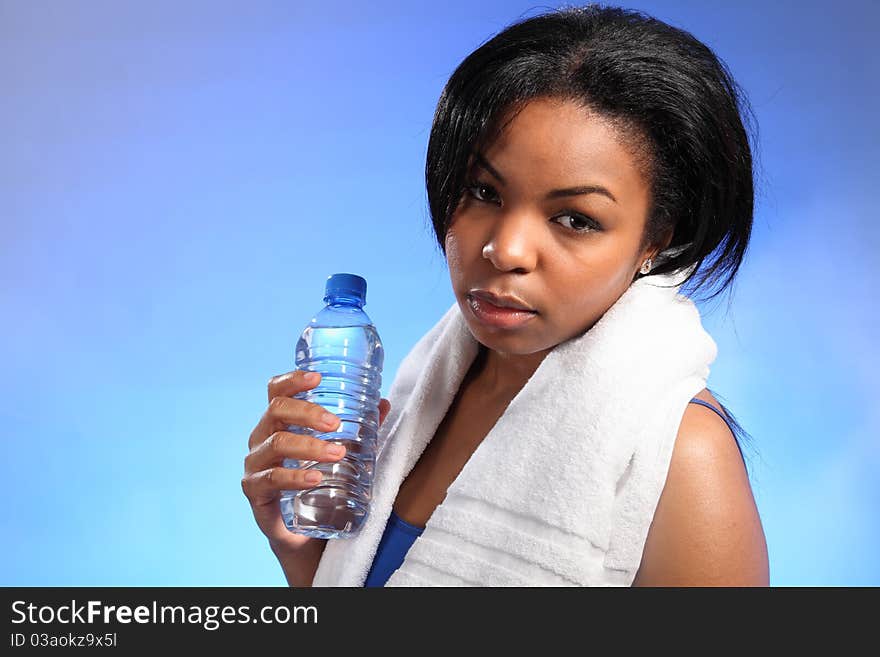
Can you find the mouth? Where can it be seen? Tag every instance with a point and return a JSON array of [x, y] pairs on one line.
[[496, 316]]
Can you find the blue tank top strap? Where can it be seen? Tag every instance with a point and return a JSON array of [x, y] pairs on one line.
[[726, 421], [708, 405]]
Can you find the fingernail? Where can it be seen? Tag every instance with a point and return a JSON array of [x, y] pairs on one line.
[[313, 477], [333, 450], [311, 377], [329, 419]]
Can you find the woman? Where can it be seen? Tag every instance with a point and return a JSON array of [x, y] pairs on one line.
[[573, 155]]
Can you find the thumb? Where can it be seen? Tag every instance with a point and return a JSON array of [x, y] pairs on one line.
[[384, 408]]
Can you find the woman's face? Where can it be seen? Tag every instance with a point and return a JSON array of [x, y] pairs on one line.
[[570, 257]]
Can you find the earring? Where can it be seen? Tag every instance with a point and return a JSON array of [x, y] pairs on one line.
[[646, 267]]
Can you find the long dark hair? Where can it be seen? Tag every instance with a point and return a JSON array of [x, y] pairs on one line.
[[659, 84]]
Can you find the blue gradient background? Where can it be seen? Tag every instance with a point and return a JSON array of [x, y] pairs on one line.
[[177, 180]]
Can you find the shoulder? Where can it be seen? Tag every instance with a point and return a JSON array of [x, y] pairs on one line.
[[706, 530]]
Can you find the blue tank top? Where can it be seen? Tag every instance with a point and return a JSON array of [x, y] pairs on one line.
[[395, 543], [399, 535]]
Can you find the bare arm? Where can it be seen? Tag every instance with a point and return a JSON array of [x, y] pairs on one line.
[[706, 529]]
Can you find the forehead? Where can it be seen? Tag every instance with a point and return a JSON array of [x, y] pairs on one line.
[[549, 142]]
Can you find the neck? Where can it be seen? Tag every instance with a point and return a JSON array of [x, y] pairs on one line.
[[499, 374]]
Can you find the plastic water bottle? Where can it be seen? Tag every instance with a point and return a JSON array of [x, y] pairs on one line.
[[342, 344]]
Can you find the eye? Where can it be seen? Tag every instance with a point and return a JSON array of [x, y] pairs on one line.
[[586, 226], [475, 189]]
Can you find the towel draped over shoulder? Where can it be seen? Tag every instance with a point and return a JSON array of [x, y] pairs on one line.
[[600, 414]]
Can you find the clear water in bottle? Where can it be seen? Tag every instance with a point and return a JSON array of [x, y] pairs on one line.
[[342, 344]]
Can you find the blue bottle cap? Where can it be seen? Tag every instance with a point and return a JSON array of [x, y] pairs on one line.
[[349, 287]]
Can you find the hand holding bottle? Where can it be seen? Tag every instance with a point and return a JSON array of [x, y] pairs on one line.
[[269, 444]]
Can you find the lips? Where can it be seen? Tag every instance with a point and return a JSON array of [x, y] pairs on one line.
[[497, 317], [509, 302]]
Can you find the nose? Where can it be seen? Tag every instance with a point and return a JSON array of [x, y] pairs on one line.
[[510, 245]]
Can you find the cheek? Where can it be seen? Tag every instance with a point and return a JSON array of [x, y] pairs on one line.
[[586, 289], [454, 255]]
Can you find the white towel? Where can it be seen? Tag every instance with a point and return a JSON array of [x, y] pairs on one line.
[[600, 414]]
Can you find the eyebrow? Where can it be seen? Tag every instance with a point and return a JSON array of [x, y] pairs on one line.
[[556, 193]]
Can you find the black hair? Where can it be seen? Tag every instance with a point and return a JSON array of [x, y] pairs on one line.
[[674, 97], [668, 91]]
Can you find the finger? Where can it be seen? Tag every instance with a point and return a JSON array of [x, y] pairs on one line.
[[290, 383], [283, 444], [287, 384], [266, 483], [302, 413], [285, 411]]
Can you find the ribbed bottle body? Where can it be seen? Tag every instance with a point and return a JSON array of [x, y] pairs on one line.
[[343, 345]]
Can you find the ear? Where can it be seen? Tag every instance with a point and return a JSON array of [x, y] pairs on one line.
[[652, 251], [662, 245], [665, 240]]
